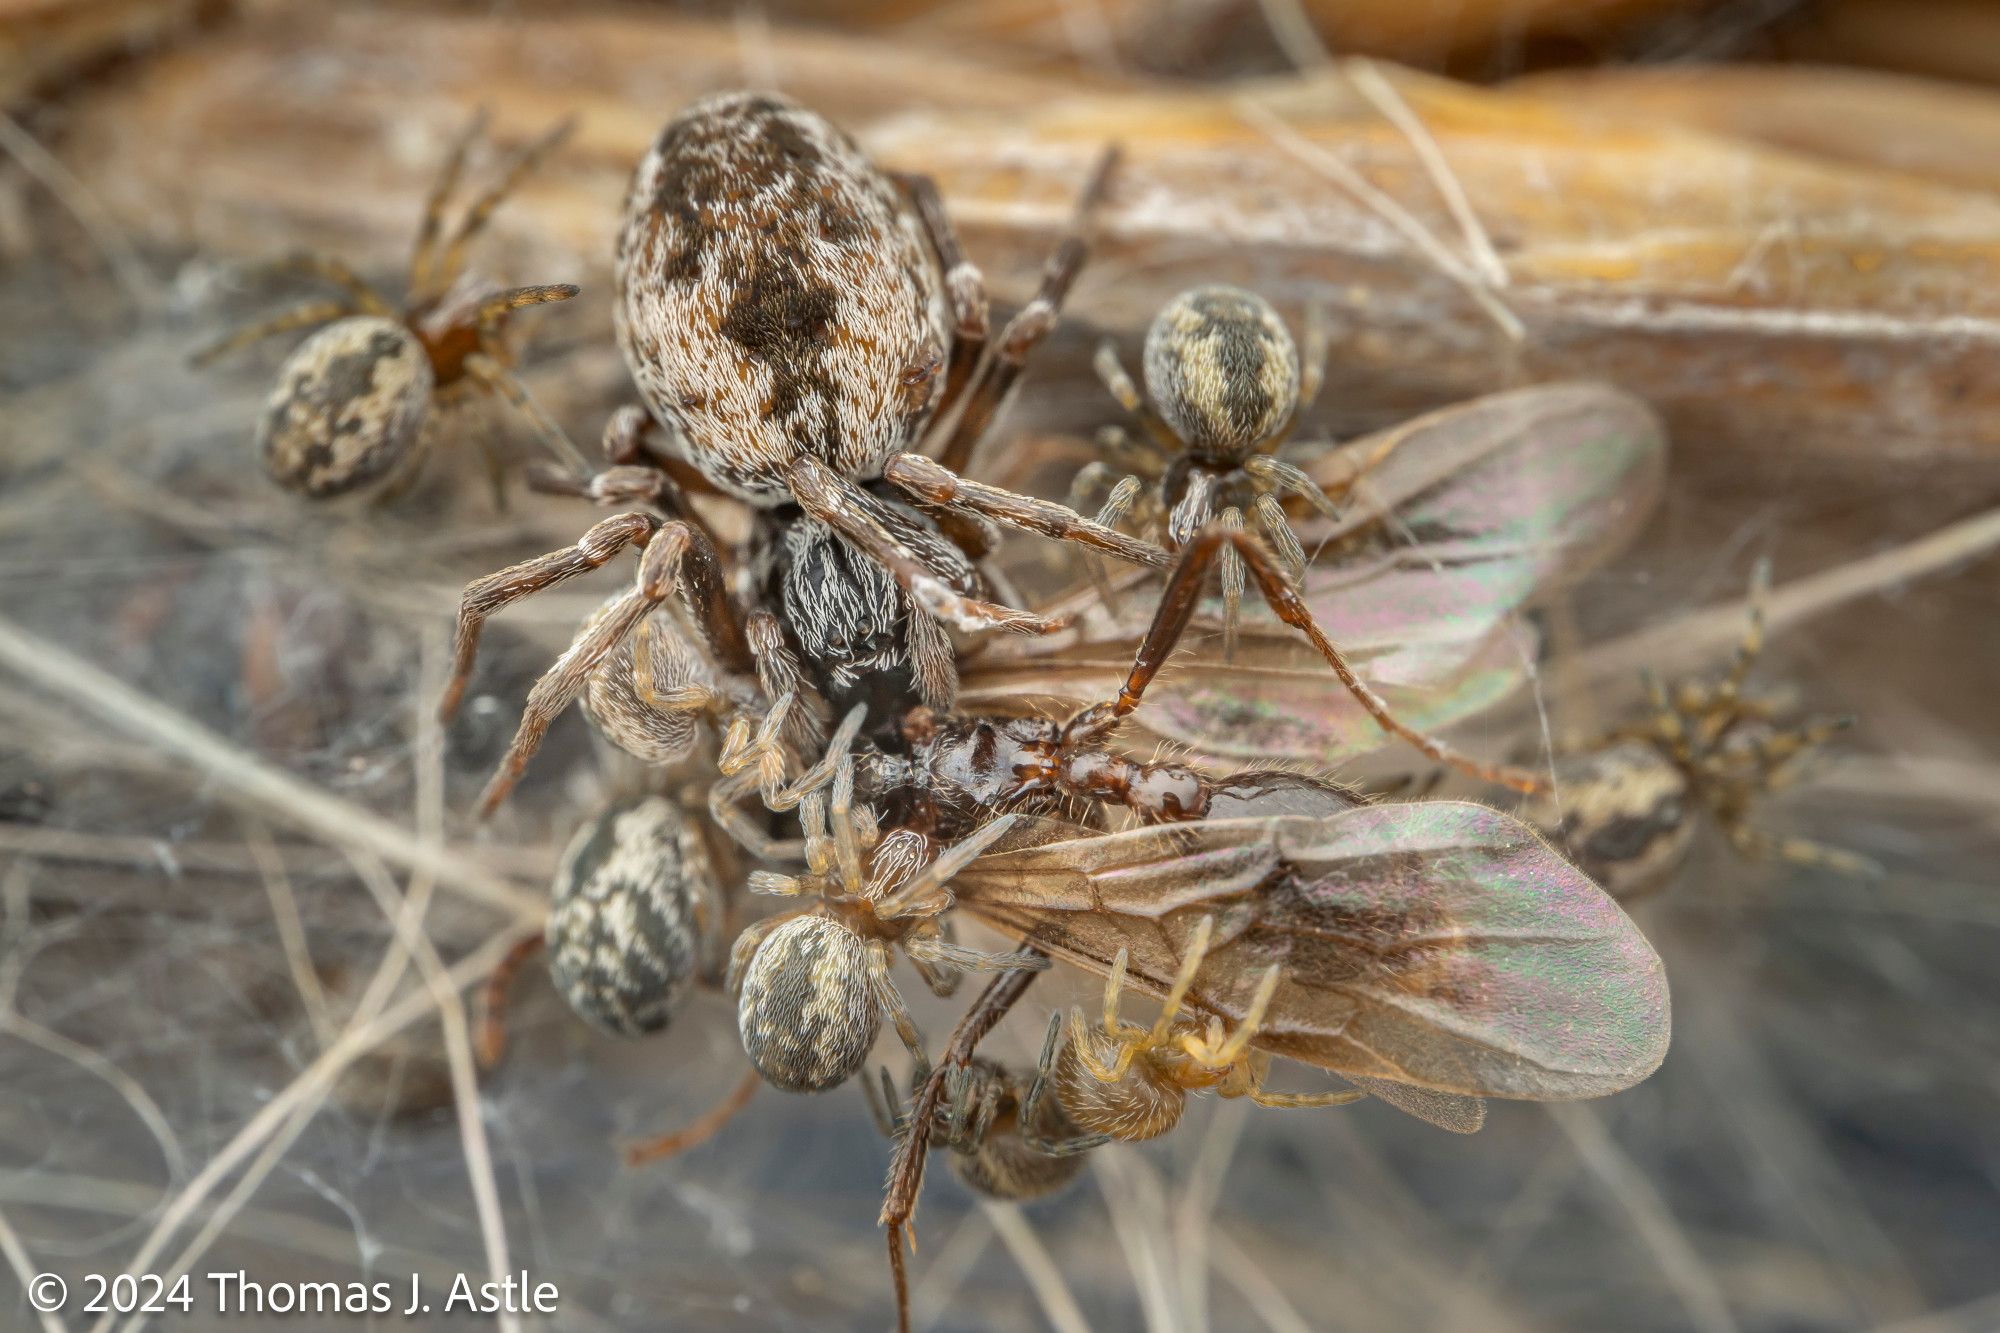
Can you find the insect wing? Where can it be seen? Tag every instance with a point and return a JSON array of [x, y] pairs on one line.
[[1465, 515], [1439, 944]]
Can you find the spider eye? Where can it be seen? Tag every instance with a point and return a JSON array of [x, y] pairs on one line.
[[921, 372]]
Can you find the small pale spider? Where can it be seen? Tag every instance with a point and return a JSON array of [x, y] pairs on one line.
[[1225, 388], [1132, 1082], [803, 321], [813, 984], [1625, 805], [1008, 1138], [350, 407], [637, 919]]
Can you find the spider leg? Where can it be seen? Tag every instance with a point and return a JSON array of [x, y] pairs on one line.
[[1756, 845], [489, 1025], [1220, 1055], [964, 286], [1091, 1059], [452, 259], [329, 269], [1277, 530], [1290, 479], [700, 1130], [845, 507], [1002, 360], [300, 317], [891, 1001], [1752, 643], [673, 550], [1291, 1100], [424, 253], [1123, 496], [1119, 382], [1176, 609], [1031, 1108], [932, 483], [1232, 585], [779, 672], [1197, 949], [1312, 362], [885, 1106], [485, 596], [486, 371], [924, 893], [724, 807]]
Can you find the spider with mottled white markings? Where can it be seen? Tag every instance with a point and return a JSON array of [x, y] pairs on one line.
[[350, 408], [1225, 388], [803, 322]]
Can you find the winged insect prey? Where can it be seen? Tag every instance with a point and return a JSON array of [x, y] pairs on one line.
[[352, 402], [686, 553], [1432, 955], [1458, 521], [1627, 804], [802, 322]]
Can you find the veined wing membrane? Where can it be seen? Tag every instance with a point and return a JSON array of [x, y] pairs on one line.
[[1473, 512], [1438, 944]]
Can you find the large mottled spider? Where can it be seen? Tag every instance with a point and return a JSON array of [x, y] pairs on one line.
[[1624, 805], [803, 323], [351, 403]]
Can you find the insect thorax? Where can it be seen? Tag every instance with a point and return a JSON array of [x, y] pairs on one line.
[[776, 298]]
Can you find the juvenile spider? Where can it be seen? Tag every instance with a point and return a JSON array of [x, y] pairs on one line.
[[645, 682], [802, 322], [351, 403], [1225, 387], [1624, 805], [1132, 1082], [637, 919], [1008, 1138], [813, 984]]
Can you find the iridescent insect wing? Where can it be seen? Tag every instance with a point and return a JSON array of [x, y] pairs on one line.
[[1459, 519], [1440, 944]]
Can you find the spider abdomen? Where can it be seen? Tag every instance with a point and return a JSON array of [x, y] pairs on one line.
[[633, 905], [807, 1012], [348, 409], [1222, 370], [619, 708], [776, 299], [1144, 1103]]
